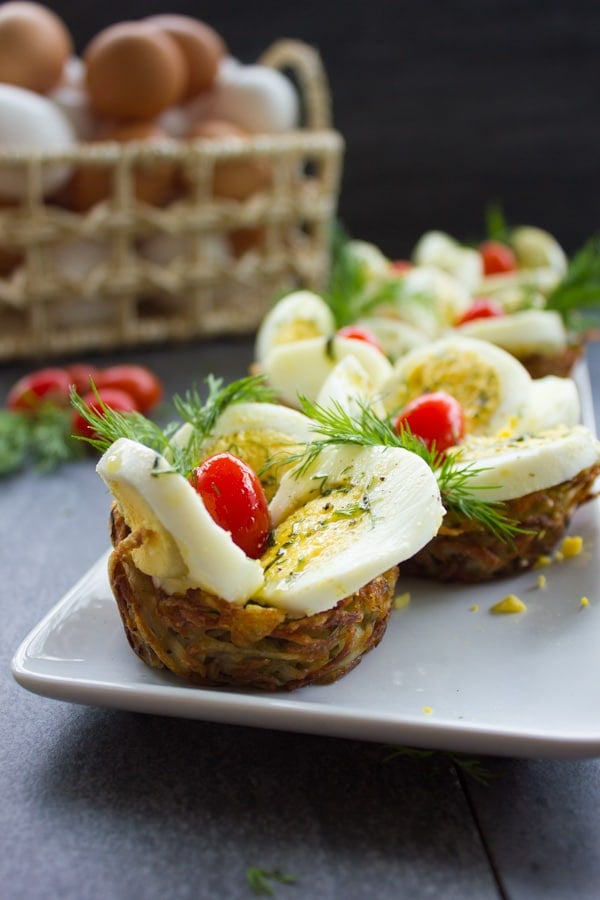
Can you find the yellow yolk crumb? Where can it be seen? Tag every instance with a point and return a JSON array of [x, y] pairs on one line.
[[542, 561], [584, 601], [427, 710], [541, 582], [572, 546], [402, 600], [559, 556], [474, 608], [510, 604]]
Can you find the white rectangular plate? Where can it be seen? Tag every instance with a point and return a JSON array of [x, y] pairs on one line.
[[448, 674]]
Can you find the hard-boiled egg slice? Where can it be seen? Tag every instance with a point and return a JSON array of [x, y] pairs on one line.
[[523, 333], [265, 435], [340, 522], [428, 299], [296, 317], [492, 386], [395, 336], [521, 288], [375, 265], [439, 250], [538, 249], [515, 467], [301, 367], [349, 385], [554, 401], [181, 541]]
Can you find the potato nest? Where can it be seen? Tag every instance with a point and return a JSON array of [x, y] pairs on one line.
[[464, 550], [210, 642], [562, 363]]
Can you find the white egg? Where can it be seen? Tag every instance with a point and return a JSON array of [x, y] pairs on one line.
[[522, 333], [349, 387], [297, 316], [175, 121], [184, 543], [73, 103], [31, 123], [346, 518], [258, 99], [163, 248], [515, 467], [492, 386], [438, 250], [301, 367]]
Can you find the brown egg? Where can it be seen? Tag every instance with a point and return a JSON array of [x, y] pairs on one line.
[[235, 179], [202, 47], [153, 181], [34, 46], [243, 240], [134, 70]]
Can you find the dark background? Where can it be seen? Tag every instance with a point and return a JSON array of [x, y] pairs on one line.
[[445, 107]]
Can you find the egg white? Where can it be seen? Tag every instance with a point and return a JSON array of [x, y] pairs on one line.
[[523, 333], [438, 250], [351, 515], [301, 367], [297, 316], [493, 387], [514, 467]]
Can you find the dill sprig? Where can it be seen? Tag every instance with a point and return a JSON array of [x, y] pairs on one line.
[[336, 425], [470, 765], [496, 225], [580, 288], [351, 293], [258, 879], [108, 425], [42, 439]]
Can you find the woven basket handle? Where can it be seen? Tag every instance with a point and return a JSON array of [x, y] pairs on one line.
[[305, 63]]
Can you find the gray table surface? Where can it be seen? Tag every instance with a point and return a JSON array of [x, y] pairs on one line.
[[105, 803]]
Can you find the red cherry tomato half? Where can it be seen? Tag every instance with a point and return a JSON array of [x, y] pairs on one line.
[[482, 308], [358, 333], [497, 258], [399, 266], [111, 397], [51, 385], [140, 383], [80, 375], [234, 497], [437, 418]]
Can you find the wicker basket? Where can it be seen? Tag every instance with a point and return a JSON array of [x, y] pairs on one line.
[[126, 299]]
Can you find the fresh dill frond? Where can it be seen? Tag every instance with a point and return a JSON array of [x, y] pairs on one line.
[[336, 425], [470, 765], [42, 439], [351, 292], [108, 425], [580, 288], [259, 879], [496, 226]]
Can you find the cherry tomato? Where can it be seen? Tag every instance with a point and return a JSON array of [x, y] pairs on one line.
[[399, 266], [51, 385], [235, 499], [481, 308], [358, 333], [111, 397], [437, 418], [497, 258], [140, 383], [80, 375]]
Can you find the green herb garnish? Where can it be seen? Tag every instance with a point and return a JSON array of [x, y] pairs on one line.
[[580, 288], [259, 879], [41, 438], [336, 425], [470, 765], [109, 425]]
